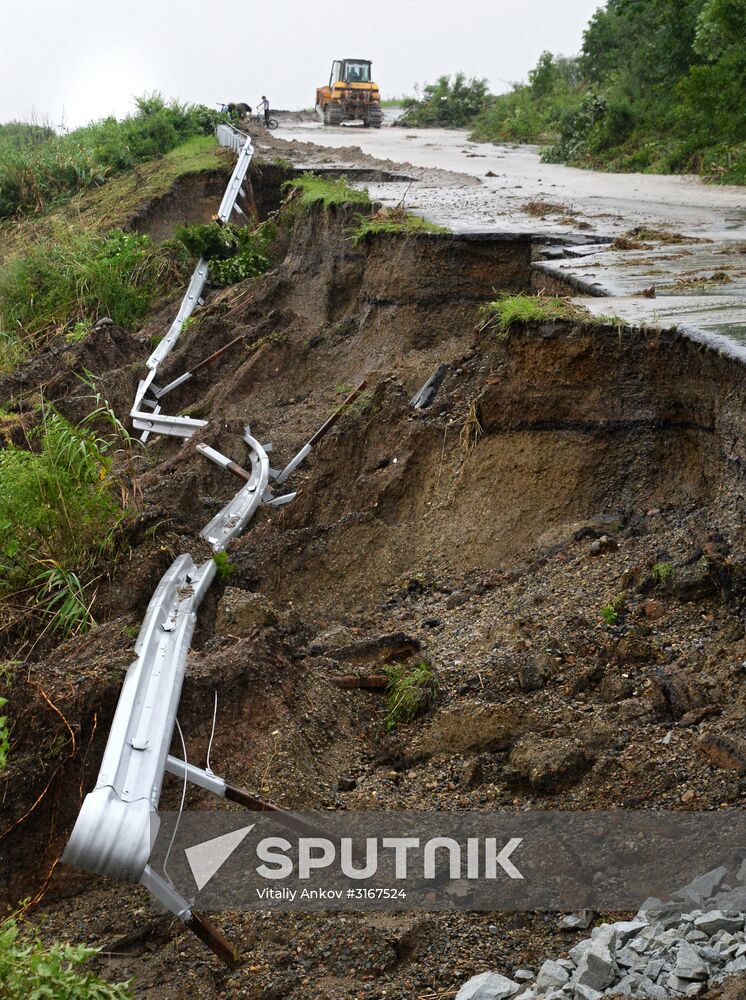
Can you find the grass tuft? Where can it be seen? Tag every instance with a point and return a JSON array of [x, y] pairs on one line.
[[392, 222], [224, 568], [609, 614], [662, 573], [310, 191], [410, 692], [509, 311]]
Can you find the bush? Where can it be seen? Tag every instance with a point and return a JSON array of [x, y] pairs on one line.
[[35, 174], [448, 102], [659, 85], [77, 277], [234, 252], [31, 971]]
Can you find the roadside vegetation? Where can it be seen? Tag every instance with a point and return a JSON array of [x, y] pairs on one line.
[[448, 103], [234, 252], [115, 204], [29, 970], [509, 311], [39, 168], [659, 86], [76, 277], [393, 222], [60, 507], [310, 191]]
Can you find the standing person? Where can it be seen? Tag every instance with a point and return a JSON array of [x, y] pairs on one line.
[[264, 106]]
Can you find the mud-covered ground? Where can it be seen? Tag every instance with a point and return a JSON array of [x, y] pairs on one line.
[[491, 184], [556, 471]]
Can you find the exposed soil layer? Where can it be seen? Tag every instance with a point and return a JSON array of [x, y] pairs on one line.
[[191, 199], [556, 471]]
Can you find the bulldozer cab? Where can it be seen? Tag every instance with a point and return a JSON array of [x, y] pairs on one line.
[[350, 71]]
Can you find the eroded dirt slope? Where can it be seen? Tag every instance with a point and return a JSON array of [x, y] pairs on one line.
[[556, 471]]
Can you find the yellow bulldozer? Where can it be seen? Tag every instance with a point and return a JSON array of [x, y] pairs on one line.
[[350, 95]]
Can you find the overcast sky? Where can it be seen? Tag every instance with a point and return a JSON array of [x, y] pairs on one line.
[[87, 58]]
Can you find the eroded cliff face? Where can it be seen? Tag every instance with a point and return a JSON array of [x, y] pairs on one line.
[[556, 467]]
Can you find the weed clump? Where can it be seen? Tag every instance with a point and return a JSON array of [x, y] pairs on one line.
[[28, 968], [662, 573], [224, 568], [509, 311], [234, 252], [410, 692], [609, 614]]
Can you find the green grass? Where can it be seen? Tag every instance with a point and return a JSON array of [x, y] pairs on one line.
[[662, 573], [410, 691], [509, 311], [311, 191], [115, 203], [78, 277], [610, 614], [29, 969], [34, 175], [392, 222], [59, 508], [224, 568], [234, 252]]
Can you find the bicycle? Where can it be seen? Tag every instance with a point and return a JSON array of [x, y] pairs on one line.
[[259, 117]]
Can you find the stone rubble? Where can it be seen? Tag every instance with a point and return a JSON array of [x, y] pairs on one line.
[[663, 953]]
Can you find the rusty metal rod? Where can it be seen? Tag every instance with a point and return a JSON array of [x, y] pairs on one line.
[[249, 801], [327, 426], [370, 682], [215, 940], [217, 354], [182, 379], [224, 462]]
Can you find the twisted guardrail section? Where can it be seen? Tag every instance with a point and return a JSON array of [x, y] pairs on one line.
[[115, 828]]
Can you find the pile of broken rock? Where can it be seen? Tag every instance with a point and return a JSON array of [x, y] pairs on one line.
[[664, 952]]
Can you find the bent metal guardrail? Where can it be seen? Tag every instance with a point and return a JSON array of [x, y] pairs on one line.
[[114, 830]]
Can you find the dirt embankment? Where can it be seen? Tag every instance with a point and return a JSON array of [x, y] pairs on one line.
[[556, 471]]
